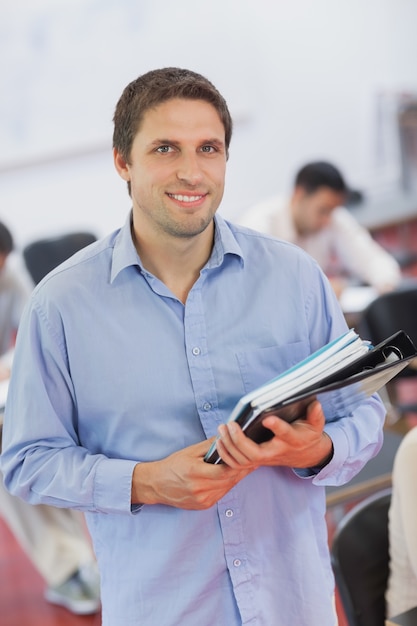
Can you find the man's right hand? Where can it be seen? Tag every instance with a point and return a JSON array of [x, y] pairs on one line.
[[184, 480]]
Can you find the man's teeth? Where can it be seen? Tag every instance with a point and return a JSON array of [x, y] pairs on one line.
[[181, 198]]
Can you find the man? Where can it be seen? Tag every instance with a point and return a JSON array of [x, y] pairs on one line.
[[134, 353], [315, 219], [55, 540]]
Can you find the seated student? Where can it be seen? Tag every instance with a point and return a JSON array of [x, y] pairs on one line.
[[315, 219], [402, 583], [55, 540]]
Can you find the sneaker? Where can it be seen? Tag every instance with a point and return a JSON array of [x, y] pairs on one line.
[[75, 595], [90, 577]]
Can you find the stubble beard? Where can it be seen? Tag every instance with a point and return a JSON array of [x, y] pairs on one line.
[[188, 230], [185, 228]]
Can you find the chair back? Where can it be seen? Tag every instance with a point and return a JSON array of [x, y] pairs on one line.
[[44, 255], [360, 560], [390, 312]]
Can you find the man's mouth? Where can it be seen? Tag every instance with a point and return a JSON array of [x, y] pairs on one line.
[[182, 198]]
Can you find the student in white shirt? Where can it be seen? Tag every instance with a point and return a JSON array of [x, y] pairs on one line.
[[315, 219], [402, 583]]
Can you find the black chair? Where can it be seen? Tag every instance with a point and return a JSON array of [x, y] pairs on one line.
[[44, 255], [360, 560], [389, 312]]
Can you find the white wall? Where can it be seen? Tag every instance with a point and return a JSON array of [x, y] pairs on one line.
[[302, 79]]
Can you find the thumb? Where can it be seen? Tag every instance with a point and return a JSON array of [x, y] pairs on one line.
[[315, 415]]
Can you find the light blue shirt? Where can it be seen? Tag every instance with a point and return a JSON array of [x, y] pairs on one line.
[[112, 369]]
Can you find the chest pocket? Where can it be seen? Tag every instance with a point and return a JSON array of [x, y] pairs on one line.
[[261, 365]]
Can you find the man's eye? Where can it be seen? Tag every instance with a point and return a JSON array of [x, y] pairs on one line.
[[164, 149], [208, 149]]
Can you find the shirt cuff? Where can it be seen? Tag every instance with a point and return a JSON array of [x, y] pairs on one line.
[[339, 455], [113, 486]]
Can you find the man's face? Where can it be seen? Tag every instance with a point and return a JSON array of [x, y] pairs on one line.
[[313, 211], [177, 168]]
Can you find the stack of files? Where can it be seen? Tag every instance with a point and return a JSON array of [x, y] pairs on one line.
[[346, 371]]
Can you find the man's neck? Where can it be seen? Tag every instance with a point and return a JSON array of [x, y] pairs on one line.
[[177, 262]]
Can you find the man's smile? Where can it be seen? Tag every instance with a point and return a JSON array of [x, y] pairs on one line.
[[183, 198]]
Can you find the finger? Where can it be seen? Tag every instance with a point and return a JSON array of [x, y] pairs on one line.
[[232, 445], [228, 459], [229, 436], [285, 431], [279, 427], [315, 416]]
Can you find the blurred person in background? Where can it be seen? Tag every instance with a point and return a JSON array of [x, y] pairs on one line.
[[401, 592], [55, 540], [314, 217], [14, 292]]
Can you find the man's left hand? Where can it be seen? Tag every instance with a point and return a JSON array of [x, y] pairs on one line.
[[301, 444]]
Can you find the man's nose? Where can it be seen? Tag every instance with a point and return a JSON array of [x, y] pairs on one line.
[[189, 169]]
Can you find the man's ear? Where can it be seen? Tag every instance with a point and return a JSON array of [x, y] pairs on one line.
[[121, 165]]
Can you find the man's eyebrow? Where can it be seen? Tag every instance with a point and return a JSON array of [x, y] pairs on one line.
[[172, 142], [162, 142], [217, 142]]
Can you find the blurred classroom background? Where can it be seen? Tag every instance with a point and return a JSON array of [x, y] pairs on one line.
[[329, 80], [304, 81]]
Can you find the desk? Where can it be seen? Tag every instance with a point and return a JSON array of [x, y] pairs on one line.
[[391, 218], [392, 221], [353, 300], [409, 618]]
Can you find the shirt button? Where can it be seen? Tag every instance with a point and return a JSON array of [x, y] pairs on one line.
[[196, 351], [207, 406], [237, 562], [229, 513]]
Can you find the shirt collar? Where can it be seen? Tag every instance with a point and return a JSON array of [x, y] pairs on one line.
[[124, 251], [225, 243], [125, 254]]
